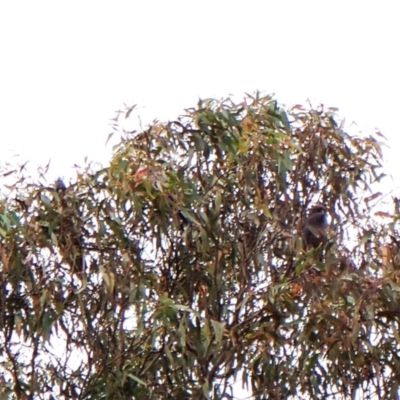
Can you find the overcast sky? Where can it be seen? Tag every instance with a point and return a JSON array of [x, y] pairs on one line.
[[66, 67]]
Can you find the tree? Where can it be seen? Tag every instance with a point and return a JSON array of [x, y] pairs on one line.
[[180, 268]]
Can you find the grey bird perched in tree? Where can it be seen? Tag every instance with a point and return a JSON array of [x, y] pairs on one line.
[[315, 227]]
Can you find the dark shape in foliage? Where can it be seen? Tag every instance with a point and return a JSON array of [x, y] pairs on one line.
[[176, 270], [314, 231], [60, 185]]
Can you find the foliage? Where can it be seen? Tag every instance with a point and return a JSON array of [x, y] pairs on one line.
[[179, 269]]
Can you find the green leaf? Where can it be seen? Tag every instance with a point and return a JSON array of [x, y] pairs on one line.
[[138, 380], [47, 322], [219, 328]]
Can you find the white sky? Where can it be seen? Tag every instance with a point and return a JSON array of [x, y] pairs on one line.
[[65, 67]]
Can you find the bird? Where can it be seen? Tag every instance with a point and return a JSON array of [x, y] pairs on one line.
[[59, 185], [315, 227]]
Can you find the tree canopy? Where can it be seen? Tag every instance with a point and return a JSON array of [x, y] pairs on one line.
[[179, 270]]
